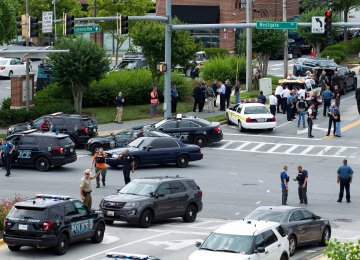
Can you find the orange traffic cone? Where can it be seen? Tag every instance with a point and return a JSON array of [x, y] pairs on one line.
[[312, 52]]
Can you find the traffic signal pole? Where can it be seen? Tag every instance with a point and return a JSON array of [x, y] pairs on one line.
[[167, 83], [27, 78]]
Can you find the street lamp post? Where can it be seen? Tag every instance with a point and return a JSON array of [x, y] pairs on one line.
[[54, 3]]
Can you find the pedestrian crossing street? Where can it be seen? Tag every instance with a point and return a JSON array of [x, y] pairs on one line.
[[287, 148]]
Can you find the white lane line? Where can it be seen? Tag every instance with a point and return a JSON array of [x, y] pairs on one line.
[[257, 147], [341, 150], [123, 245], [227, 145], [258, 202], [274, 136], [242, 146], [260, 181], [326, 149], [308, 149], [291, 149], [272, 149]]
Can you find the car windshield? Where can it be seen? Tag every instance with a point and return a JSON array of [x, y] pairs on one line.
[[140, 143], [139, 188], [158, 124], [267, 215], [228, 243], [256, 110], [327, 63]]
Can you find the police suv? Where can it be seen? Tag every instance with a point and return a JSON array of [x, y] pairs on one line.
[[52, 221]]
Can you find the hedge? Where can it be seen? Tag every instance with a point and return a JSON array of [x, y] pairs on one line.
[[341, 50], [5, 206], [337, 55], [216, 52]]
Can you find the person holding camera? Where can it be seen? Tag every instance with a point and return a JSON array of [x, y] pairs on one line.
[[98, 160], [284, 184], [302, 179]]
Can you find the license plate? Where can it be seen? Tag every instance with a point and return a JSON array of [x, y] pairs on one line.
[[261, 120], [71, 150], [23, 227], [110, 213]]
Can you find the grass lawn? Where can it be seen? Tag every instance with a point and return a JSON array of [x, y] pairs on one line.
[[218, 118]]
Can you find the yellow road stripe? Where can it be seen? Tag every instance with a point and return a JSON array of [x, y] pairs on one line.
[[345, 128]]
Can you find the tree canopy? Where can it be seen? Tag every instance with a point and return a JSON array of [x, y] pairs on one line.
[[8, 12]]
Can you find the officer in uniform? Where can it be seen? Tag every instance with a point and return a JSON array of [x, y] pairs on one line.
[[128, 165], [284, 184], [344, 177], [85, 187], [7, 149], [302, 179], [310, 119]]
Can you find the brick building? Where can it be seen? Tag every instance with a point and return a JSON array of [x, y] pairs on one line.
[[227, 11]]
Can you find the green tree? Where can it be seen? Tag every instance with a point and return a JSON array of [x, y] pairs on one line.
[[8, 11], [76, 69], [344, 6], [337, 250], [150, 36], [111, 8]]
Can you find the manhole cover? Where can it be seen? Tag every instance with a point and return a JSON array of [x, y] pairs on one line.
[[249, 184], [342, 220]]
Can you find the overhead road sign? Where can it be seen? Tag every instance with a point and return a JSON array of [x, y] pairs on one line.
[[86, 29], [276, 25]]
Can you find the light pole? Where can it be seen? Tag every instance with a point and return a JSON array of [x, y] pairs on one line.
[[54, 3]]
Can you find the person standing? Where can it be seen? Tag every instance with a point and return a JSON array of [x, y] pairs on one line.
[[273, 102], [330, 114], [301, 92], [128, 165], [210, 96], [337, 120], [261, 98], [85, 187], [256, 77], [221, 90], [228, 91], [357, 97], [302, 179], [174, 97], [301, 107], [335, 80], [119, 101], [323, 80], [154, 101], [284, 95], [202, 97], [310, 118], [344, 178], [197, 97], [99, 160], [237, 92], [337, 95], [7, 149], [278, 91], [327, 96], [284, 184], [215, 87], [289, 107]]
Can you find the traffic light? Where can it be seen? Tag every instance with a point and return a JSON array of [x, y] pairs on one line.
[[124, 21], [21, 25], [33, 26], [69, 23], [328, 21]]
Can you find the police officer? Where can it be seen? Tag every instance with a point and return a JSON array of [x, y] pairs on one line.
[[284, 184], [302, 179], [344, 177], [128, 165], [357, 97], [7, 149], [85, 187], [98, 160], [310, 118]]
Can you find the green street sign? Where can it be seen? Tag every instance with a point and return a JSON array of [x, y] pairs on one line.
[[86, 29], [276, 25]]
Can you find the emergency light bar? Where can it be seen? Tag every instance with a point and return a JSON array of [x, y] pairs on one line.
[[55, 197], [130, 256]]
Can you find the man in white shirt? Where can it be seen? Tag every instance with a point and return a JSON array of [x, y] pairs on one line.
[[221, 90], [279, 89], [310, 120], [285, 94], [302, 92], [273, 102]]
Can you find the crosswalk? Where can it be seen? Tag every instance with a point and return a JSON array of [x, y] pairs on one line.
[[287, 148]]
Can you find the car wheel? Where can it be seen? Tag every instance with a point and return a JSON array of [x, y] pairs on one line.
[[292, 245], [99, 233], [42, 164], [14, 248], [200, 140], [94, 148], [10, 73], [325, 236], [182, 161], [136, 162], [109, 221], [284, 257], [190, 213], [241, 129], [228, 120], [62, 245], [146, 219]]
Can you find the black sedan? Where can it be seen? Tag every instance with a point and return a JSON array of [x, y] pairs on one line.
[[190, 129], [154, 150], [120, 139], [301, 225], [310, 63]]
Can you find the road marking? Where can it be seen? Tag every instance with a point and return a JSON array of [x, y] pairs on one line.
[[257, 147], [341, 150], [175, 244], [291, 149], [243, 145], [260, 181], [345, 128], [124, 245], [258, 202], [308, 149], [326, 149], [274, 148], [272, 136]]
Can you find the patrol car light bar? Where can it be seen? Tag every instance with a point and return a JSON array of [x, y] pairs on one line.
[[49, 196], [128, 256]]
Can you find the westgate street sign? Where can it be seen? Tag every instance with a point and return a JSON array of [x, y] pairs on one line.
[[276, 25], [86, 29]]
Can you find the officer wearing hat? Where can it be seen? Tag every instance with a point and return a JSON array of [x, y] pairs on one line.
[[85, 187]]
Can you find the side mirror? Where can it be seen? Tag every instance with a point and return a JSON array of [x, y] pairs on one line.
[[198, 244], [259, 250], [149, 148], [316, 217], [160, 129]]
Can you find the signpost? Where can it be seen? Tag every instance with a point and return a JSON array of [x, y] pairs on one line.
[[318, 24], [276, 25], [47, 22], [86, 29]]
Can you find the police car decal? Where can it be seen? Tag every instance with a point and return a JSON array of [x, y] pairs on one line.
[[83, 226], [24, 154], [112, 144], [181, 136]]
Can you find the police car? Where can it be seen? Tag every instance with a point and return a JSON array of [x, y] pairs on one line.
[[250, 116], [52, 221]]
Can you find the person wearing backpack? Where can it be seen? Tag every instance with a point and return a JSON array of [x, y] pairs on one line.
[[302, 179], [301, 108], [98, 161], [210, 96]]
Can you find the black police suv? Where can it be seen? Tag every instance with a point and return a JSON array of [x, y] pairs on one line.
[[120, 139], [42, 150], [143, 201], [52, 221], [190, 129], [80, 128], [310, 63]]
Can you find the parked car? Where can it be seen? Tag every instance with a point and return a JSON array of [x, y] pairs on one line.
[[309, 85], [244, 239], [310, 63], [155, 150], [9, 66], [41, 150], [142, 201], [301, 225]]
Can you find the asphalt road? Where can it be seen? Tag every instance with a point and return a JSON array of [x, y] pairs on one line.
[[236, 175]]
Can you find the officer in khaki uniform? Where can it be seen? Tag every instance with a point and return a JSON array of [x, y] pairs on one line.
[[85, 187]]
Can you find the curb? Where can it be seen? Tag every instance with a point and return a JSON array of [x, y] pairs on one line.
[[2, 243], [316, 256]]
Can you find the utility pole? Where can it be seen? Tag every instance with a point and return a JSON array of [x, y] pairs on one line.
[[249, 46], [286, 51], [95, 14], [27, 81], [54, 3], [167, 85]]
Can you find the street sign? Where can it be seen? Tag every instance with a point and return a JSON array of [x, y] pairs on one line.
[[86, 28], [276, 25], [47, 22], [318, 24]]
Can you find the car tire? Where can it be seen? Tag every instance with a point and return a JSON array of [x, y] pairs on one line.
[[109, 221], [42, 164], [292, 245], [136, 162], [228, 120], [146, 218], [284, 257], [182, 161], [62, 245], [241, 129], [190, 213], [94, 147], [200, 140], [11, 73], [325, 236], [14, 248], [99, 233]]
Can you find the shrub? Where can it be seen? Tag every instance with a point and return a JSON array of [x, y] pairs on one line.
[[53, 91], [216, 52], [224, 68], [343, 251], [337, 55], [6, 103], [5, 206], [338, 47]]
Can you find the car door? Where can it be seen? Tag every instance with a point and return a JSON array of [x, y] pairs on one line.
[[162, 202], [27, 149], [299, 226], [313, 225], [156, 152], [72, 220], [185, 130], [349, 78], [178, 198], [86, 223], [272, 245]]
